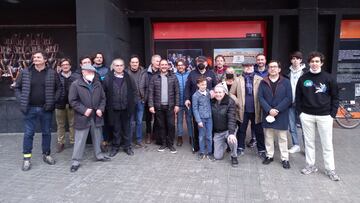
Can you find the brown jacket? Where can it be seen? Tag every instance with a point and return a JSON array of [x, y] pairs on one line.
[[238, 90]]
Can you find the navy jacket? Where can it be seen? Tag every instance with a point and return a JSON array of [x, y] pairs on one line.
[[191, 86]]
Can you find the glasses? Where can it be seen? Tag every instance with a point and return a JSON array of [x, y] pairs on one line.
[[65, 64], [117, 65], [273, 66]]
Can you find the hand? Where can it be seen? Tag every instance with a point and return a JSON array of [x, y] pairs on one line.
[[273, 112], [232, 139], [201, 125], [176, 109], [99, 113], [88, 112], [188, 103], [212, 94], [152, 110]]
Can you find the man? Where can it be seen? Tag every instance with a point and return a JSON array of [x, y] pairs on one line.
[[245, 88], [317, 101], [275, 100], [37, 89], [191, 87], [120, 90], [182, 76], [145, 81], [99, 64], [220, 68], [136, 72], [294, 72], [63, 112], [87, 98], [164, 103]]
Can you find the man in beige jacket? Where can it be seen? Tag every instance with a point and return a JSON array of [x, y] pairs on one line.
[[245, 88]]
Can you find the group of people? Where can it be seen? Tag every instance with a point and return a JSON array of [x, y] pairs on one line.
[[109, 104]]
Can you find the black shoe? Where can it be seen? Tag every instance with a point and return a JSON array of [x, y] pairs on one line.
[[74, 168], [26, 165], [268, 160], [172, 150], [234, 162], [252, 143], [285, 164], [104, 159], [162, 148], [262, 155], [129, 152], [48, 159], [210, 157], [240, 152], [113, 152], [201, 156]]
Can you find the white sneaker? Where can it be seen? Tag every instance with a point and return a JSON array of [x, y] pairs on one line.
[[294, 149]]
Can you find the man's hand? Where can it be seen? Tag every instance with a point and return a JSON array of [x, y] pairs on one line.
[[232, 139], [176, 109], [212, 94], [201, 125], [152, 110], [187, 104], [273, 112], [99, 113], [88, 112]]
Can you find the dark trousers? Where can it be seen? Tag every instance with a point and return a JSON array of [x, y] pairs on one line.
[[121, 129], [165, 119], [149, 128], [259, 132], [195, 140]]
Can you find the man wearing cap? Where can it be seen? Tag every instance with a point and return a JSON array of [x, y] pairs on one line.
[[245, 88], [87, 98], [191, 87]]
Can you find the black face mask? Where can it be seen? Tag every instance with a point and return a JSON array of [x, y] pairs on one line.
[[201, 66]]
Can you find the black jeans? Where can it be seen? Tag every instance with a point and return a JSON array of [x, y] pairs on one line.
[[259, 132], [165, 119], [121, 129], [195, 141]]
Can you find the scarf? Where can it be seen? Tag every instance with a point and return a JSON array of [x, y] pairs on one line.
[[249, 77]]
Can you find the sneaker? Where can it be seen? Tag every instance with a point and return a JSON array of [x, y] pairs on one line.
[[294, 149], [332, 175], [234, 162], [48, 159], [172, 150], [240, 151], [268, 160], [252, 143], [262, 155], [179, 141], [210, 157], [139, 145], [309, 169], [26, 165], [129, 152], [74, 168], [162, 148], [201, 156], [285, 164]]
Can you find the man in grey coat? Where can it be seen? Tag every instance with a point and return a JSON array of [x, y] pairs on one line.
[[87, 98]]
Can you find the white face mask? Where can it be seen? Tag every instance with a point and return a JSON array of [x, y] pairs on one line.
[[89, 77]]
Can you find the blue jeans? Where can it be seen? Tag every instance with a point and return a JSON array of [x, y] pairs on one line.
[[30, 120], [292, 125], [205, 135], [137, 124], [180, 118]]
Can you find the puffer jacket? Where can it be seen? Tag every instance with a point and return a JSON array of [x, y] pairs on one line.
[[224, 115], [155, 91]]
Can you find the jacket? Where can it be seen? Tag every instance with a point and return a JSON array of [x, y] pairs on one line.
[[191, 84], [293, 81], [182, 77], [138, 76], [281, 101], [145, 82], [238, 90], [82, 97], [155, 91], [223, 115], [201, 106], [52, 88], [64, 99]]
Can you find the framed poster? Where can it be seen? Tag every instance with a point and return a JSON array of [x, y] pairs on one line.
[[188, 55]]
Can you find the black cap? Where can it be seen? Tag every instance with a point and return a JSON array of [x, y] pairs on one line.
[[201, 59]]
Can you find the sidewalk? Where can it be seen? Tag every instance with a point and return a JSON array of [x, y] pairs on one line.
[[152, 176]]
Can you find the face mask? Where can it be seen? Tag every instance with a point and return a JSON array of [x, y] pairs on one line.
[[315, 72], [201, 66], [89, 77]]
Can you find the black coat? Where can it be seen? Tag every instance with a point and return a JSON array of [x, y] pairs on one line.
[[224, 115], [63, 100], [81, 98], [124, 98], [23, 88]]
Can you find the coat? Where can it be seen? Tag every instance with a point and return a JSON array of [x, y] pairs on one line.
[[82, 98], [224, 115], [61, 103], [238, 90]]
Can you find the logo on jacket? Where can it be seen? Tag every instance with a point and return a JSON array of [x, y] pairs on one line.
[[321, 88], [308, 83]]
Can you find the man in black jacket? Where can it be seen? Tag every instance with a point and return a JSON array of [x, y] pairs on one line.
[[63, 111], [37, 89], [164, 103], [120, 90]]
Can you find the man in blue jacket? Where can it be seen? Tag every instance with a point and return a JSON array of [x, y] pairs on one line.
[[275, 98]]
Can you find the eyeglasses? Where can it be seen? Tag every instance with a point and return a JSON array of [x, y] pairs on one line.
[[65, 64]]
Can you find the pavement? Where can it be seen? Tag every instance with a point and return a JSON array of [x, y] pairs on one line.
[[151, 176]]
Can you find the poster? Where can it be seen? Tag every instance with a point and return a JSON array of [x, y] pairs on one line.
[[188, 55]]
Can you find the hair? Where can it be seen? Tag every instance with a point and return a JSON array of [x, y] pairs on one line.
[[296, 54], [43, 53], [117, 59], [261, 54], [200, 80], [167, 62], [63, 60], [155, 56], [178, 61], [94, 56], [84, 57], [316, 54], [219, 56], [275, 61], [134, 56]]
